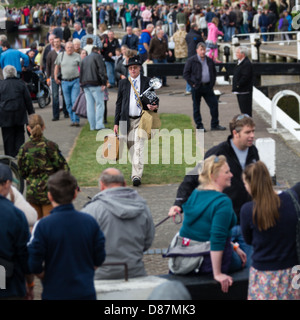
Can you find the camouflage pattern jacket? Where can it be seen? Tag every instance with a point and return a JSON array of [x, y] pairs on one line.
[[181, 47], [37, 160]]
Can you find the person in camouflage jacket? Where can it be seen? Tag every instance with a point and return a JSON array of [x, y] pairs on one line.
[[39, 158]]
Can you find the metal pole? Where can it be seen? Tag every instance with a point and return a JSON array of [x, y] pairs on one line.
[[298, 46], [235, 44], [254, 53], [94, 17]]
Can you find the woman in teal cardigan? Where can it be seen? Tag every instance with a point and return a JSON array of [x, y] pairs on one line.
[[209, 216]]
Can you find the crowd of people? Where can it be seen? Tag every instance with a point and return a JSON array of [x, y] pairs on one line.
[[227, 199], [240, 17]]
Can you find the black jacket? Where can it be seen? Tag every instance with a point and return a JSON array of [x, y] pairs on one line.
[[123, 100], [111, 48], [192, 39], [236, 192], [93, 70], [67, 34], [243, 77], [15, 103], [192, 72], [120, 69]]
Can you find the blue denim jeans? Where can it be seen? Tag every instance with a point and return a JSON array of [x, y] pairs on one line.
[[230, 33], [110, 69], [188, 88], [94, 106], [171, 29], [225, 31], [71, 90], [236, 263], [264, 36]]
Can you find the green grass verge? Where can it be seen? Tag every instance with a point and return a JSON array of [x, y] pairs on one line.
[[170, 152]]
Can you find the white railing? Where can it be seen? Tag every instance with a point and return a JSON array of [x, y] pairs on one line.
[[275, 100], [256, 36]]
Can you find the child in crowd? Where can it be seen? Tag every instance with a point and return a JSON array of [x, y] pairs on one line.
[[89, 45], [212, 39], [38, 159]]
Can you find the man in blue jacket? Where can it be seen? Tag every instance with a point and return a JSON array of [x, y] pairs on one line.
[[66, 246], [130, 39], [13, 57], [263, 23], [79, 31]]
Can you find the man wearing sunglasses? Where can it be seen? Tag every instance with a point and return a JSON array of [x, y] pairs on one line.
[[239, 150]]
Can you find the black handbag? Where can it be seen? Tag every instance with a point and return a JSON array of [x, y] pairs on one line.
[[8, 266], [297, 208], [59, 76]]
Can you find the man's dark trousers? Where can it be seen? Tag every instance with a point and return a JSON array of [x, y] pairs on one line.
[[245, 103], [13, 139], [211, 100], [55, 100]]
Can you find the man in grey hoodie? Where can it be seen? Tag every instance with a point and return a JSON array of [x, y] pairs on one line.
[[126, 221]]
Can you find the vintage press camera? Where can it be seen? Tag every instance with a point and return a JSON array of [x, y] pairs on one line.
[[149, 96]]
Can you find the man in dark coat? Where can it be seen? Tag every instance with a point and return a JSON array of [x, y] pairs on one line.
[[128, 114], [93, 79], [15, 104], [130, 39], [158, 51], [66, 30], [272, 24], [50, 64], [239, 150], [110, 44], [14, 235], [192, 39], [242, 83], [200, 73]]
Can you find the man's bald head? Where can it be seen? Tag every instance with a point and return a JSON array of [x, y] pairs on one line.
[[111, 178]]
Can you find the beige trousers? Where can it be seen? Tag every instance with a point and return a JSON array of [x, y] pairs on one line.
[[135, 145]]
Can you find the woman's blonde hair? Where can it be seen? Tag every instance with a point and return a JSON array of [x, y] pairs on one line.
[[130, 53], [36, 124], [266, 201], [211, 167], [215, 21]]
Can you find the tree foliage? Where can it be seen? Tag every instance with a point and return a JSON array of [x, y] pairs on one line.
[[22, 3]]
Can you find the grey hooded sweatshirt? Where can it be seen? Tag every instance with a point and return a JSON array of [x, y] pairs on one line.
[[125, 219]]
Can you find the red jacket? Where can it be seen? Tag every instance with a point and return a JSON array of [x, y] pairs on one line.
[[26, 12]]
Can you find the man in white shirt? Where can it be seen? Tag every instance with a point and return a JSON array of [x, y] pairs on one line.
[[128, 112]]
